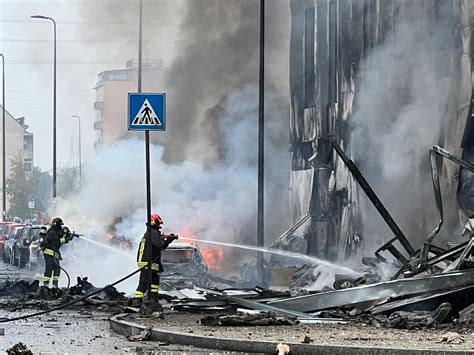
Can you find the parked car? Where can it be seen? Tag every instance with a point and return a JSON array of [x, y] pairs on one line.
[[5, 228], [184, 266], [21, 248], [14, 234], [36, 260]]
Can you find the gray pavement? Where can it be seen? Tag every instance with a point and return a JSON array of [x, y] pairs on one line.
[[72, 332]]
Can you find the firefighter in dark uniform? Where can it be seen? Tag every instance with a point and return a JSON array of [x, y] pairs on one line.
[[56, 236], [159, 242]]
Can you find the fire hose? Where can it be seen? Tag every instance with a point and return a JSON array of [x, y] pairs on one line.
[[67, 274], [26, 316]]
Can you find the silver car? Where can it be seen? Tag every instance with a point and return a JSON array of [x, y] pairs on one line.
[[13, 236]]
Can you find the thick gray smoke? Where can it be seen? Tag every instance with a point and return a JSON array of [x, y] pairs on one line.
[[204, 170], [401, 111], [216, 203], [219, 53]]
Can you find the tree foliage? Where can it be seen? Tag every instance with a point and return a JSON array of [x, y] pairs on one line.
[[20, 185]]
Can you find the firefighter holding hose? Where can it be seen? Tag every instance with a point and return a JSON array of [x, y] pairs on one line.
[[56, 236], [159, 242]]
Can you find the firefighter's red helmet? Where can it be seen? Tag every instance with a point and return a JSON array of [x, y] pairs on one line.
[[157, 219]]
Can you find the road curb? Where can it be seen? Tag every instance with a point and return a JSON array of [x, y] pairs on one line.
[[122, 326]]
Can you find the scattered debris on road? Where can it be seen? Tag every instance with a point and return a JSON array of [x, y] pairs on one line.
[[19, 349], [143, 336], [247, 320]]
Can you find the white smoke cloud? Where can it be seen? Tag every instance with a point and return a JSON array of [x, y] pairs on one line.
[[216, 203], [401, 109]]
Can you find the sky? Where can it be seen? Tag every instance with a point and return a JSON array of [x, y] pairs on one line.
[[90, 39]]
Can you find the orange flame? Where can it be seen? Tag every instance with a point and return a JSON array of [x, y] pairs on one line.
[[109, 237], [213, 256]]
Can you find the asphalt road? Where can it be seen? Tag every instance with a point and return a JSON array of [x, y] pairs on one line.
[[72, 332]]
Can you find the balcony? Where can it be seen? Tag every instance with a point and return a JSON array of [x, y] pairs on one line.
[[99, 105], [98, 126], [27, 154]]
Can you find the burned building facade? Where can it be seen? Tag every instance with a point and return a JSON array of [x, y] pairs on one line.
[[386, 80]]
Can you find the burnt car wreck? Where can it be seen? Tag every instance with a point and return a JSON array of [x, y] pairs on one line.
[[184, 266]]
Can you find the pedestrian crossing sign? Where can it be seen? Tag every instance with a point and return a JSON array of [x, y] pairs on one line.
[[146, 112]]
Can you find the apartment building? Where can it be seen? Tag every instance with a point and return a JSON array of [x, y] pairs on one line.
[[18, 141], [111, 91]]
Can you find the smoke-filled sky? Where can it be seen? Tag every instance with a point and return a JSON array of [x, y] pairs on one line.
[[90, 39], [204, 172], [212, 41]]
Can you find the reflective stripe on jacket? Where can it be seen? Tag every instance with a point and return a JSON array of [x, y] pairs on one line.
[[156, 248], [54, 239], [52, 253]]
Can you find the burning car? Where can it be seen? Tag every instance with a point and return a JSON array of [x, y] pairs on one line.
[[184, 266], [115, 238]]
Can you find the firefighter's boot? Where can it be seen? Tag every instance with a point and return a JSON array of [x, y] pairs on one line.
[[155, 304]]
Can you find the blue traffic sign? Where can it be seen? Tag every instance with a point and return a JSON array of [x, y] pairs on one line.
[[31, 198], [146, 112]]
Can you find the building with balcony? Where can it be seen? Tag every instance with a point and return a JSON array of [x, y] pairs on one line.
[[111, 93]]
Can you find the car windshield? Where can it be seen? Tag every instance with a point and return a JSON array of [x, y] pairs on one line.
[[177, 256]]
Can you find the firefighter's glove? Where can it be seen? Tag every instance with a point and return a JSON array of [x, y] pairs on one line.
[[67, 234], [172, 237]]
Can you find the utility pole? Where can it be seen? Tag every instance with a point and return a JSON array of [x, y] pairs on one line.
[[54, 103], [260, 198]]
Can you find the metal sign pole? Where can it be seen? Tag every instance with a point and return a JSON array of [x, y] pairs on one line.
[[148, 207], [147, 154]]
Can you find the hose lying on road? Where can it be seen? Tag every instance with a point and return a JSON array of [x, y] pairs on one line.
[[26, 316]]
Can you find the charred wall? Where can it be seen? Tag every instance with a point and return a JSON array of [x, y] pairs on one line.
[[388, 80]]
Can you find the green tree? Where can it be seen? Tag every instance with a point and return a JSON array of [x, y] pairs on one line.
[[20, 185]]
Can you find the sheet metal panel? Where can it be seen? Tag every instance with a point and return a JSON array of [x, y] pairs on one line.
[[390, 289]]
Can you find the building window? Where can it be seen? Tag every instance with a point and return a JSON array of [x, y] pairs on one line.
[[118, 75], [27, 166], [309, 74]]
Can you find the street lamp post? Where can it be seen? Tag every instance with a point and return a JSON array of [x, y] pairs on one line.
[[4, 159], [261, 141], [80, 158], [54, 105]]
